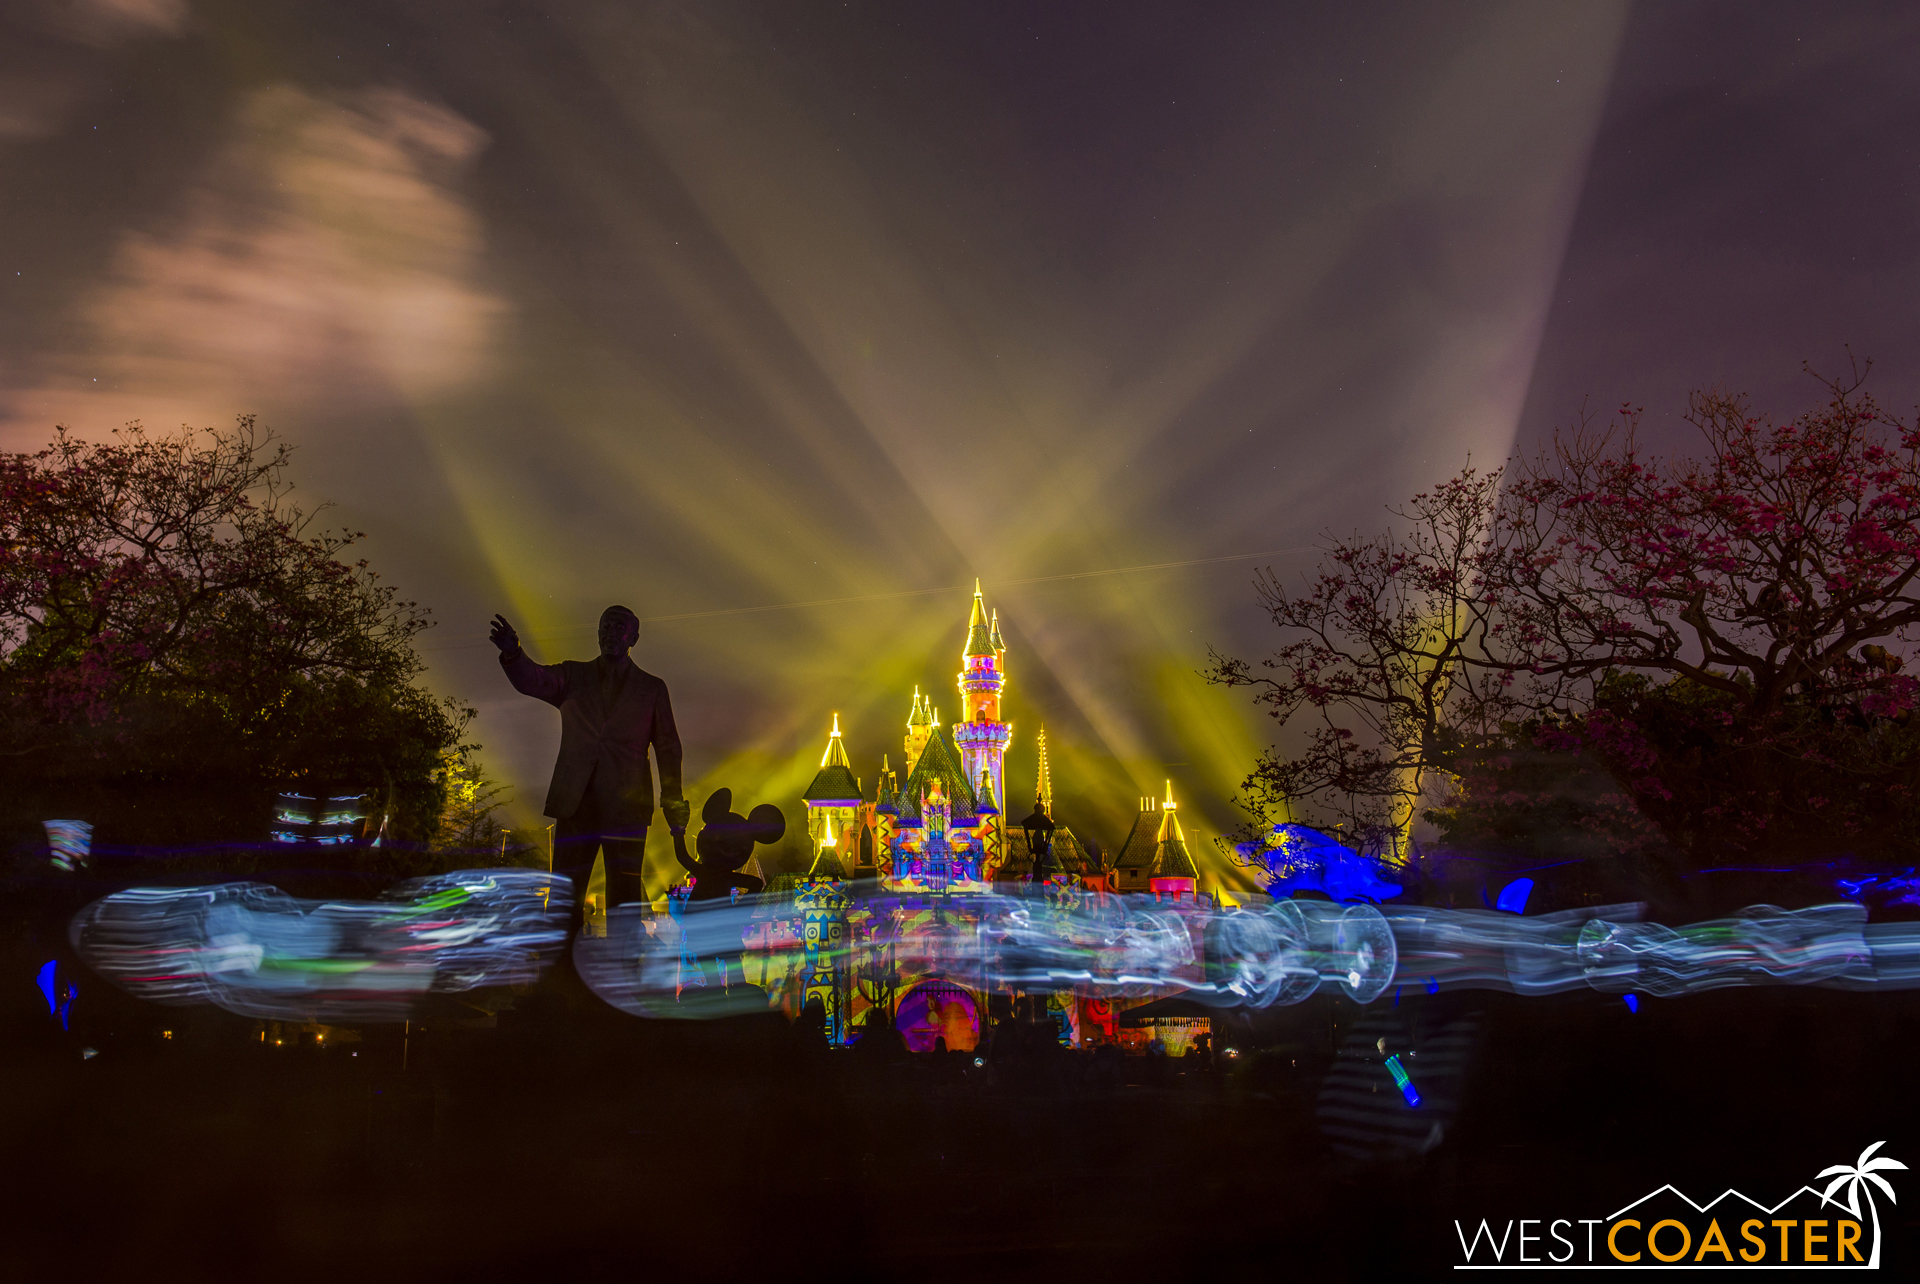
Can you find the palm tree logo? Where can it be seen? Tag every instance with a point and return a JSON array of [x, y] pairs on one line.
[[1855, 1177]]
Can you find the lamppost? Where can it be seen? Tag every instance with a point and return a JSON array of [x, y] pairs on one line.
[[1039, 830]]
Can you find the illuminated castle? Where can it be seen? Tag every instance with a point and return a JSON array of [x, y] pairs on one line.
[[946, 827], [868, 925], [943, 826]]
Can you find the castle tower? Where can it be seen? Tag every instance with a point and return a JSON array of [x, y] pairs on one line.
[[919, 728], [982, 738], [822, 902], [886, 819], [993, 849], [834, 799], [1174, 873]]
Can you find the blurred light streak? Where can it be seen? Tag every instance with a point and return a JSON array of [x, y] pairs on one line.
[[253, 950], [70, 843], [1401, 1081]]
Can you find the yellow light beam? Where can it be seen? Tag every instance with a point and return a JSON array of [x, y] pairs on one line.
[[888, 597]]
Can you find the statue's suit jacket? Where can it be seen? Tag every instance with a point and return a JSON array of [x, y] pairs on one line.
[[605, 728]]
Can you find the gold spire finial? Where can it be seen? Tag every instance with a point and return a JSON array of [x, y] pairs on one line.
[[836, 753], [1043, 788]]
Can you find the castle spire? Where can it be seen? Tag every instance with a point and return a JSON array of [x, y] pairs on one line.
[[1173, 868], [984, 792], [1043, 787], [919, 729], [994, 639], [979, 636], [836, 754]]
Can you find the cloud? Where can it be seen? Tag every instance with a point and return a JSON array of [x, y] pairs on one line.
[[108, 22], [326, 259]]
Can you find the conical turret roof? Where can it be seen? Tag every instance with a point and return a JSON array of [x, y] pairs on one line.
[[1172, 860], [834, 782], [922, 715], [979, 635], [938, 761]]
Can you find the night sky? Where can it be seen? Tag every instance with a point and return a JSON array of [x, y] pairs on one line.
[[710, 309]]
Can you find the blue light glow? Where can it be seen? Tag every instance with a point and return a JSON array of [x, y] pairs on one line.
[[1513, 897], [1298, 859]]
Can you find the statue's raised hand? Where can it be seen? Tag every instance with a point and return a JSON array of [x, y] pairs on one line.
[[503, 636]]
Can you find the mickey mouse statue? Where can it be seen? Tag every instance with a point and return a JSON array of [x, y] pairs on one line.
[[725, 844], [710, 928]]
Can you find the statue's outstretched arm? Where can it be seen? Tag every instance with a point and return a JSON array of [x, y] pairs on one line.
[[542, 681]]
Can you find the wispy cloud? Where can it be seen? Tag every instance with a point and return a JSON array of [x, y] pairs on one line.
[[325, 259]]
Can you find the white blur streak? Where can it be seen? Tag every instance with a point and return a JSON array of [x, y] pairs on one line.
[[1279, 954], [324, 260], [1094, 945], [1610, 950], [253, 950]]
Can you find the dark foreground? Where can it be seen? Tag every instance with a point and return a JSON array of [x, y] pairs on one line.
[[572, 1141]]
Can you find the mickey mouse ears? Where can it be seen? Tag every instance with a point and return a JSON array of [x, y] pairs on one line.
[[766, 824]]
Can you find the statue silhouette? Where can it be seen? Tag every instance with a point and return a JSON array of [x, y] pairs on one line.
[[611, 713]]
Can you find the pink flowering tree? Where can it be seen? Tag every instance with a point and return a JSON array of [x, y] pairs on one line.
[[1626, 651], [176, 637]]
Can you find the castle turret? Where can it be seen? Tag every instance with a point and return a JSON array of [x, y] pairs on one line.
[[919, 728], [822, 901], [979, 634], [982, 738], [834, 798], [886, 819], [1174, 873], [993, 830]]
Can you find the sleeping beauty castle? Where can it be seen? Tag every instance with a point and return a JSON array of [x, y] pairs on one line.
[[884, 914], [938, 822]]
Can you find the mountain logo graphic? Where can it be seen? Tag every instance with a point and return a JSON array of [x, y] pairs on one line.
[[1811, 1227]]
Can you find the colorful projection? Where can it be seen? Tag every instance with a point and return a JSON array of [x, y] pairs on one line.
[[932, 1011]]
